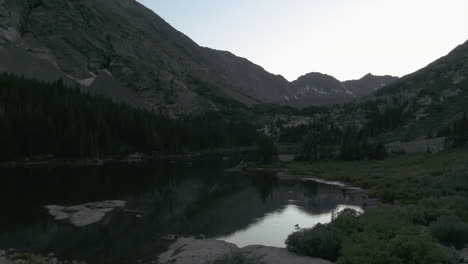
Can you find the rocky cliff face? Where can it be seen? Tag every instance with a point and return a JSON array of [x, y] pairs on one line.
[[142, 56]]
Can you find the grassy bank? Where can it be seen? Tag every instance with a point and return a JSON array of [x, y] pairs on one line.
[[423, 220]]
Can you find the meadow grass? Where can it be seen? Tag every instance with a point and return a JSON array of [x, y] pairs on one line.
[[422, 219]]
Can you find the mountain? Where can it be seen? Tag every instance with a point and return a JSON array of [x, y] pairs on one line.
[[418, 105], [369, 84], [122, 49], [321, 89], [318, 89], [140, 51]]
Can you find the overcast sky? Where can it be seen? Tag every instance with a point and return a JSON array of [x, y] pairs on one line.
[[343, 38]]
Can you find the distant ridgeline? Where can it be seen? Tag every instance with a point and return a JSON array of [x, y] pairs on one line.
[[38, 119]]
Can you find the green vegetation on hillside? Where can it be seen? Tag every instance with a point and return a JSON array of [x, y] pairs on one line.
[[425, 202], [457, 134], [324, 140], [39, 119]]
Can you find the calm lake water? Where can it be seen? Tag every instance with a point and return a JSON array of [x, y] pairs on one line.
[[184, 198]]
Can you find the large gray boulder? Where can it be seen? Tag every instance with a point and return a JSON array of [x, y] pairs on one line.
[[205, 251], [194, 251], [275, 255]]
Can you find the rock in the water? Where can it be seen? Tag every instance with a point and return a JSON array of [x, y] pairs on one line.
[[87, 217], [59, 212], [193, 251], [274, 255], [2, 253], [86, 214]]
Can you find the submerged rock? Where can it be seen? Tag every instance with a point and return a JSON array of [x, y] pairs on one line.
[[86, 214], [194, 251]]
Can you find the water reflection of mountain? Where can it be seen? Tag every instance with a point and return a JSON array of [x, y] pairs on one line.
[[236, 211], [186, 201]]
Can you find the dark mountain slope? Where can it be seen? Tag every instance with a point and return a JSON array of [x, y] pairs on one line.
[[140, 50], [420, 103], [146, 57]]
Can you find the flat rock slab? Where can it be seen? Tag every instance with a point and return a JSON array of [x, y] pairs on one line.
[[85, 214], [194, 251], [274, 255]]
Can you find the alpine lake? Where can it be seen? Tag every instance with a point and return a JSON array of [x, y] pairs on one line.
[[195, 197]]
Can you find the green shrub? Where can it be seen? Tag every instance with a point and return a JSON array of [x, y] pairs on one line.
[[347, 221], [388, 239], [322, 241], [370, 248], [450, 229]]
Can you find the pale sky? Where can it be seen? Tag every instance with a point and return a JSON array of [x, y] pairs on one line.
[[343, 38]]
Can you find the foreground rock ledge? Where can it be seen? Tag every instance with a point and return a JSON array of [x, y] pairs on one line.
[[194, 251]]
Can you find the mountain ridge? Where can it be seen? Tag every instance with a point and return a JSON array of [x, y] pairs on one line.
[[144, 55]]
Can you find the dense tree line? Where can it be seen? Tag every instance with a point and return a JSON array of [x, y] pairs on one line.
[[321, 141], [457, 133], [266, 150], [38, 118], [358, 145], [325, 140], [392, 116]]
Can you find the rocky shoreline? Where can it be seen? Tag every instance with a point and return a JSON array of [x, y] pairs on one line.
[[205, 251], [13, 256]]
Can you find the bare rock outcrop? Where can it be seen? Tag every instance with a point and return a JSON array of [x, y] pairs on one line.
[[195, 251]]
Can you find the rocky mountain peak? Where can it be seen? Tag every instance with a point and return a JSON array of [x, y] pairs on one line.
[[147, 59], [369, 83]]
